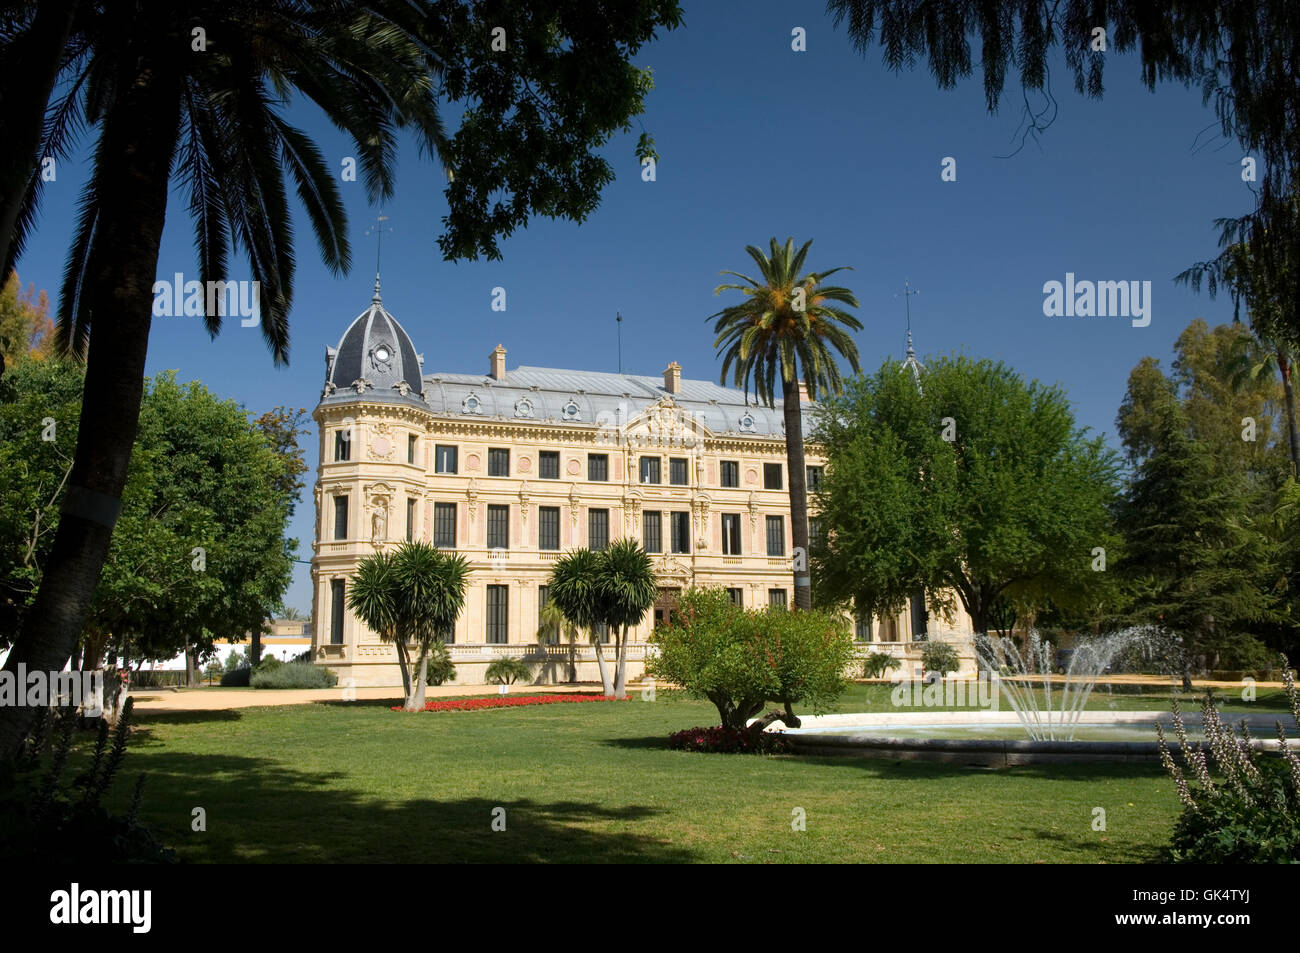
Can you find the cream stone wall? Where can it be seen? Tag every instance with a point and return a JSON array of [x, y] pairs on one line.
[[378, 480]]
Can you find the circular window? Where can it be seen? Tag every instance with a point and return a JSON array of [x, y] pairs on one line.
[[470, 404], [523, 407], [571, 410], [381, 353], [747, 422]]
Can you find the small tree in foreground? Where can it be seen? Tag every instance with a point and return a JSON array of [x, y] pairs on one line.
[[939, 657], [1253, 814], [739, 660]]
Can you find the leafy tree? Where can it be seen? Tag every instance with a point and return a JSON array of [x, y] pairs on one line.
[[25, 326], [530, 123], [740, 659], [440, 666], [573, 588], [976, 482], [788, 323], [939, 657], [1196, 553], [412, 595]]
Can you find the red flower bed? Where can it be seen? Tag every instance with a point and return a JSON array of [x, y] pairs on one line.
[[508, 701]]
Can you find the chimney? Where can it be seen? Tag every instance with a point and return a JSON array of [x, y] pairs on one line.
[[673, 378], [803, 393], [498, 358]]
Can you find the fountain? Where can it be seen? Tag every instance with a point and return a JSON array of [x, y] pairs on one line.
[[1051, 724]]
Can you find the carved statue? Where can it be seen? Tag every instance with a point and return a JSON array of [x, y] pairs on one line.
[[379, 522]]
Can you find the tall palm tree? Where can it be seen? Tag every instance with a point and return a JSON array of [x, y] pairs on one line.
[[787, 324], [626, 589], [573, 589], [551, 621], [413, 595], [164, 110]]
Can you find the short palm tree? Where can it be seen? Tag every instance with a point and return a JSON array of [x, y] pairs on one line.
[[165, 112], [788, 324], [573, 590], [626, 590], [411, 596]]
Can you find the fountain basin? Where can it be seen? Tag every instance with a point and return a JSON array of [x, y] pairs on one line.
[[996, 738]]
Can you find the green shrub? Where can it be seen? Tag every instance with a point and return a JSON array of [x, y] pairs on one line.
[[294, 675], [269, 663], [237, 678], [878, 665], [939, 657], [1252, 815], [441, 668], [236, 659], [506, 671]]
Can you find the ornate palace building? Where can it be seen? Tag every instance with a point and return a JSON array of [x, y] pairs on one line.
[[511, 468]]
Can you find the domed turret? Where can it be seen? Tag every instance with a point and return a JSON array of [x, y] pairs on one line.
[[375, 357]]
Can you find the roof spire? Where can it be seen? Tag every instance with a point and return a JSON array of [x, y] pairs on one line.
[[378, 230], [910, 362]]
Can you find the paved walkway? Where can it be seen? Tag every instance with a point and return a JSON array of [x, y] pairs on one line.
[[215, 699]]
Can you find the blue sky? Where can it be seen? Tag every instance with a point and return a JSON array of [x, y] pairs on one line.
[[759, 141]]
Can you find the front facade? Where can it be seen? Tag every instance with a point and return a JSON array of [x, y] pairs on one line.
[[513, 468]]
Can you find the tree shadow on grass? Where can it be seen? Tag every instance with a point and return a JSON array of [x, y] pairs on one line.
[[257, 810]]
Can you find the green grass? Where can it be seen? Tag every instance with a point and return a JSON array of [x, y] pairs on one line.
[[355, 781]]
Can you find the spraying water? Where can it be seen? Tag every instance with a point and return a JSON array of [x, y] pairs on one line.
[[1022, 677]]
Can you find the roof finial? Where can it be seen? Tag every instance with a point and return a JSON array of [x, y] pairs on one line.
[[378, 230], [910, 362]]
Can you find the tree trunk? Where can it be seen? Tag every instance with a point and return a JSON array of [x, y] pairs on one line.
[[131, 179], [1293, 432], [600, 663], [27, 75], [620, 670], [404, 663], [416, 701], [790, 718], [255, 647], [573, 651], [191, 665], [798, 480]]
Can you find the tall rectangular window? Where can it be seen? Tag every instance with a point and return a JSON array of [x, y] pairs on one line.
[[737, 597], [499, 461], [498, 526], [731, 534], [410, 448], [548, 464], [729, 472], [444, 459], [681, 529], [920, 618], [771, 476], [776, 535], [548, 527], [649, 469], [598, 467], [814, 479], [815, 538], [677, 471], [862, 628], [776, 598], [342, 445], [444, 525], [597, 529], [336, 611], [551, 634], [341, 517], [652, 531], [602, 632], [410, 519], [498, 615]]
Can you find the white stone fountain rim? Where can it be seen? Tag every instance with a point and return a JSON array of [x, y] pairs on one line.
[[885, 719]]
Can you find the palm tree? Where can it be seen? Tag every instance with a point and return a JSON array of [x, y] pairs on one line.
[[414, 594], [211, 118], [626, 590], [786, 323], [550, 620], [573, 589]]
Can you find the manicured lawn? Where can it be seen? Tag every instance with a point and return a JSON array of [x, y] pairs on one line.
[[358, 782]]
